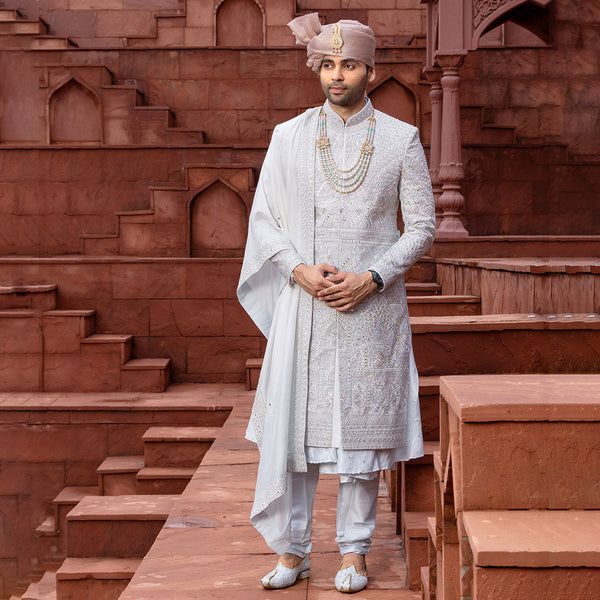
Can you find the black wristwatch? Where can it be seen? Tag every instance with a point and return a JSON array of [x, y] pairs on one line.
[[377, 279]]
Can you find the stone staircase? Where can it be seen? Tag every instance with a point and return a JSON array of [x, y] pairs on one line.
[[50, 349], [534, 533], [18, 32], [99, 534], [452, 337], [156, 231]]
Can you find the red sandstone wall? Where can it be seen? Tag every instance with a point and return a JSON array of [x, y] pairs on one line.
[[86, 133]]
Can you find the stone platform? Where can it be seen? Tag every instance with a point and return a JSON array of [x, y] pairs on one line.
[[208, 549]]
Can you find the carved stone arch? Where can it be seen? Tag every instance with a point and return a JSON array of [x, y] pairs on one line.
[[239, 23], [74, 114], [397, 100], [218, 219], [530, 14]]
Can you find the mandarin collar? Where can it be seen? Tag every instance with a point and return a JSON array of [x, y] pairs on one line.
[[364, 113]]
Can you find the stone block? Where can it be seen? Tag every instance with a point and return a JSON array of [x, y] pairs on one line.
[[122, 23], [150, 239], [145, 379], [546, 457], [221, 355], [186, 94], [189, 318], [278, 36], [151, 5], [126, 439], [301, 92], [536, 584], [198, 36], [144, 281], [175, 453], [173, 347], [20, 372], [123, 526], [220, 63], [132, 316], [80, 22], [318, 4], [417, 487], [90, 587], [117, 475], [379, 4], [164, 480], [20, 332], [229, 95], [51, 443], [395, 22], [95, 371], [169, 206], [63, 332], [237, 321], [95, 4], [214, 279], [199, 14]]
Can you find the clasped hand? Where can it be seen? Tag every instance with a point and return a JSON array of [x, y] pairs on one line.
[[339, 290]]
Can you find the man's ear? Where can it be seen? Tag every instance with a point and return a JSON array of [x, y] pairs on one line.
[[371, 77]]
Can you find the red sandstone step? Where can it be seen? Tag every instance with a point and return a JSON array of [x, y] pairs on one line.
[[146, 375], [425, 593], [39, 297], [177, 446], [120, 342], [44, 589], [554, 422], [64, 330], [532, 554], [47, 528], [422, 271], [441, 305], [421, 289], [163, 480], [66, 499], [117, 475], [516, 343], [415, 534], [121, 526], [9, 14], [94, 578], [52, 42], [23, 27]]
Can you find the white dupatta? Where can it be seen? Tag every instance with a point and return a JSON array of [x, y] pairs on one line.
[[274, 305]]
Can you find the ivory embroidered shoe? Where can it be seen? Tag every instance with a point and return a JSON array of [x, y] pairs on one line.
[[350, 580], [282, 577]]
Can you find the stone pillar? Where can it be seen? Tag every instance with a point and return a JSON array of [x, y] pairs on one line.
[[434, 75], [451, 171]]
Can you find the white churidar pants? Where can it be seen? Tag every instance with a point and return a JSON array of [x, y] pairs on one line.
[[356, 510]]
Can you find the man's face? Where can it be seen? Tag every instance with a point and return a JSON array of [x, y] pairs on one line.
[[344, 80]]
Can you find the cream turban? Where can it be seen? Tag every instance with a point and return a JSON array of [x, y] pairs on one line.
[[347, 39]]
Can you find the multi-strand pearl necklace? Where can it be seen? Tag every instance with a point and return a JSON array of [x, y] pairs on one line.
[[342, 181]]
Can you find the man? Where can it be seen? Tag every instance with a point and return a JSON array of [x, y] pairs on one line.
[[323, 280]]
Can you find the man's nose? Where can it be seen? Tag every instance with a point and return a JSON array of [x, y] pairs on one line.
[[338, 74]]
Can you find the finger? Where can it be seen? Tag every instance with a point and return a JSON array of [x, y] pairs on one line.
[[324, 267]]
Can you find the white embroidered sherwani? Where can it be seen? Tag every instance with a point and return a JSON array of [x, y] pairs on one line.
[[298, 217]]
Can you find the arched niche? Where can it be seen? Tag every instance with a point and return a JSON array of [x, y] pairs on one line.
[[395, 99], [218, 222], [517, 23], [74, 115], [239, 23]]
